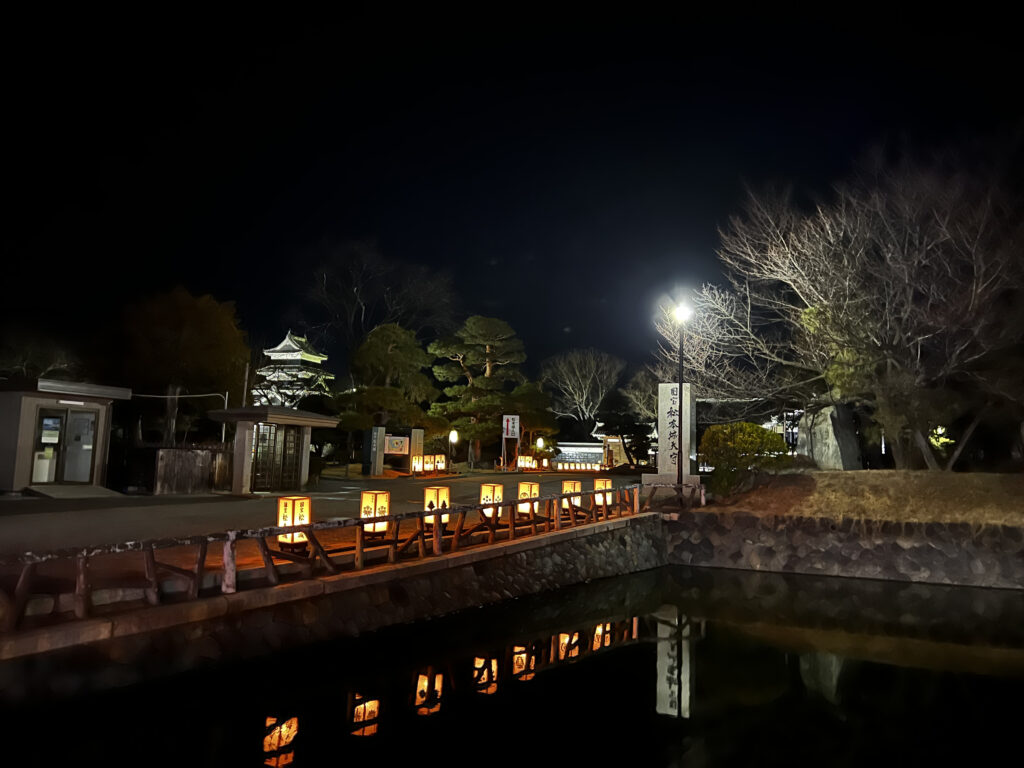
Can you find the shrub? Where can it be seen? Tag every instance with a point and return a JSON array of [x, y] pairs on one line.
[[737, 452]]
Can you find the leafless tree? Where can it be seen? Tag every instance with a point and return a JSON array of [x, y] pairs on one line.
[[898, 294], [580, 378]]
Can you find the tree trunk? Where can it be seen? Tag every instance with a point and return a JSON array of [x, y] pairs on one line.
[[926, 450], [627, 451], [899, 455], [962, 443]]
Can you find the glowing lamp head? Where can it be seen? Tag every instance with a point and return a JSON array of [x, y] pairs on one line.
[[453, 437], [540, 443], [682, 312]]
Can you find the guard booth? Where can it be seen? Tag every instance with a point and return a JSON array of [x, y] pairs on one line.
[[271, 450], [56, 434]]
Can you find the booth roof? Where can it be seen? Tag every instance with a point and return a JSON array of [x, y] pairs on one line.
[[273, 414]]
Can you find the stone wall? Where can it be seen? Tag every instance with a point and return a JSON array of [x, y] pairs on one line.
[[152, 642], [936, 553]]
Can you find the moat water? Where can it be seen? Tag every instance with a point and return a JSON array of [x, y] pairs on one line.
[[681, 667]]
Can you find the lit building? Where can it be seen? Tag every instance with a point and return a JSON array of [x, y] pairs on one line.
[[293, 373]]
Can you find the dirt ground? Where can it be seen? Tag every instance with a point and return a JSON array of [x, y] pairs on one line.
[[917, 496]]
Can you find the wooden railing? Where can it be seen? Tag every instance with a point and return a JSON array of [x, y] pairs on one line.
[[469, 527]]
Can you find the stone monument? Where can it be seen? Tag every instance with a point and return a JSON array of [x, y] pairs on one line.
[[670, 447]]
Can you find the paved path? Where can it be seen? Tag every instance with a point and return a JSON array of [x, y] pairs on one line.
[[36, 524]]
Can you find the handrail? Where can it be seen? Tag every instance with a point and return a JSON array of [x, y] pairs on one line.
[[430, 539]]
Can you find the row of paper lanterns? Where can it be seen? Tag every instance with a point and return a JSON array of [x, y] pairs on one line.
[[429, 462], [579, 466], [430, 686], [296, 510]]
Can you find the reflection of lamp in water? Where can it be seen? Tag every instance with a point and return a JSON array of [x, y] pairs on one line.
[[571, 486], [436, 497], [485, 675], [602, 484], [602, 636], [375, 504], [489, 493], [365, 713], [278, 735], [428, 692], [568, 645], [524, 663], [528, 490], [293, 510]]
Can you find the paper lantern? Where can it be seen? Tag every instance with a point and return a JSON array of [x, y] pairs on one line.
[[544, 463], [428, 693], [572, 486], [528, 490], [603, 484], [524, 663], [293, 510], [365, 713], [485, 675], [375, 504], [602, 636], [439, 462], [428, 462], [279, 734], [568, 646], [436, 497], [417, 463], [490, 493], [561, 466]]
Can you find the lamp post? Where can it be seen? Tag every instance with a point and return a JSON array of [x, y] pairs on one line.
[[682, 313], [453, 438]]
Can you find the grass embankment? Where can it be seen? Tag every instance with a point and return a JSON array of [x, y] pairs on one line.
[[901, 496]]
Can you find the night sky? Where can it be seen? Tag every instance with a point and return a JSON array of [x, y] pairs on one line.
[[567, 172]]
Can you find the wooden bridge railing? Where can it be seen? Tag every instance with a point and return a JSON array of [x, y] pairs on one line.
[[470, 527]]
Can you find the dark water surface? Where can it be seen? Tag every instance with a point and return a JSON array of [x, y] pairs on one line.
[[672, 668]]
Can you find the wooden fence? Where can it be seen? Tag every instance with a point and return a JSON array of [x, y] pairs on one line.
[[468, 526]]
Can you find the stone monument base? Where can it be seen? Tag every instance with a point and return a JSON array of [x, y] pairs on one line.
[[668, 479]]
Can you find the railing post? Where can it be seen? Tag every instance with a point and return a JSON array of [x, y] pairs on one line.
[[555, 511], [357, 558], [459, 522], [437, 533], [636, 499], [511, 510], [153, 590], [421, 547], [229, 581], [82, 587]]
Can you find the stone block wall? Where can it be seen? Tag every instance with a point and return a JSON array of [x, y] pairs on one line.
[[935, 553]]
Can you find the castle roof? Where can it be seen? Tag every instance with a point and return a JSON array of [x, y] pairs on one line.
[[295, 348]]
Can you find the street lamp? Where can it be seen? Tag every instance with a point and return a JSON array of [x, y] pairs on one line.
[[453, 438], [682, 313]]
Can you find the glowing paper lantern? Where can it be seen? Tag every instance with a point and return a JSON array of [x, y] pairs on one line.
[[572, 486], [490, 493], [428, 693], [293, 510], [428, 462], [524, 663], [436, 497], [375, 504], [439, 462], [528, 490], [279, 735], [365, 714], [602, 484], [602, 636], [485, 675], [417, 463], [561, 466], [544, 463], [568, 646]]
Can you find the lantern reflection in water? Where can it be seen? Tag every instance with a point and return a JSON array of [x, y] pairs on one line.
[[524, 663], [375, 504], [417, 464], [428, 692], [602, 636], [568, 646], [490, 493], [603, 484], [436, 497], [277, 736], [571, 486], [365, 713], [485, 675], [528, 490], [293, 510]]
